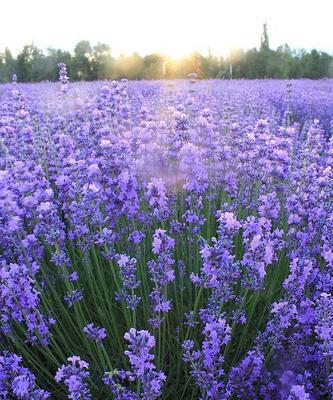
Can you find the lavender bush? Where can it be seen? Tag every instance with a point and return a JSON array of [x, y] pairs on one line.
[[166, 240]]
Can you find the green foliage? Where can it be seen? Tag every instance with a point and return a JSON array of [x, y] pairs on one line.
[[99, 280], [96, 62]]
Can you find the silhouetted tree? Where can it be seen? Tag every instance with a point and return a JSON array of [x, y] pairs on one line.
[[102, 62], [8, 66], [31, 64], [91, 63], [264, 38], [82, 61]]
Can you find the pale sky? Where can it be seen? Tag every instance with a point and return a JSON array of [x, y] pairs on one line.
[[172, 27]]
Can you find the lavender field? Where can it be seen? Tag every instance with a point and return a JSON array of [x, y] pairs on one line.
[[166, 240]]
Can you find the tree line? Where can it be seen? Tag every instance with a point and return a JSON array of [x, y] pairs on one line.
[[89, 62]]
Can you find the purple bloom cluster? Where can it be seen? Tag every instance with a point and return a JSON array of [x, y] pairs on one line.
[[74, 376], [206, 363], [19, 302], [95, 333], [127, 270], [261, 246], [73, 296], [162, 274], [63, 76], [143, 370], [157, 198], [243, 379], [18, 381]]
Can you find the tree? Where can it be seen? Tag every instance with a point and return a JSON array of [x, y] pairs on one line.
[[8, 66], [102, 62], [82, 62], [264, 38], [130, 67], [91, 63], [310, 63], [30, 63], [237, 59], [265, 53], [153, 65]]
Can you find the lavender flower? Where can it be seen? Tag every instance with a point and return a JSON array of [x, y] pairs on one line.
[[157, 198], [127, 270], [161, 273], [63, 76], [143, 369], [73, 296], [18, 381], [95, 333], [74, 376], [243, 378], [19, 301], [206, 363], [298, 392]]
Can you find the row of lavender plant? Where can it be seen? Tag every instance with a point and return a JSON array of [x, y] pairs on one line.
[[166, 240]]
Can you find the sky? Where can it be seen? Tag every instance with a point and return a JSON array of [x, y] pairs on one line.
[[170, 27]]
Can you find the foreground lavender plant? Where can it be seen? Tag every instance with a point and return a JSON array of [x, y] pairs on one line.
[[18, 381], [149, 381], [161, 274], [74, 376]]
